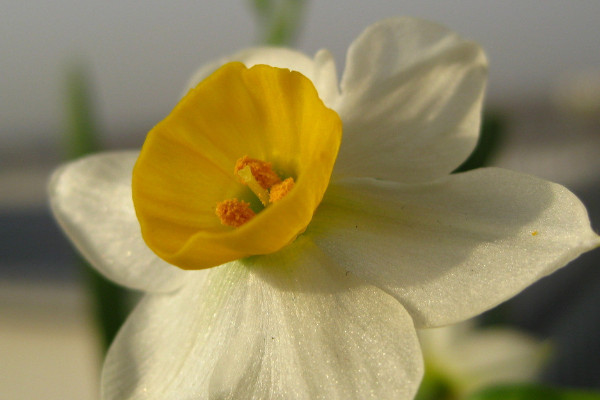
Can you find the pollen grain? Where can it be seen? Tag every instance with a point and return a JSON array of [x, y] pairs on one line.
[[262, 171], [279, 190], [234, 212]]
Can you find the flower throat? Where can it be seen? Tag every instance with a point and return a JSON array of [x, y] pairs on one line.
[[263, 181]]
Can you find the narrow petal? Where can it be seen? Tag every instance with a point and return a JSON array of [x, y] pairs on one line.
[[91, 199], [285, 326], [452, 249], [320, 70], [411, 99]]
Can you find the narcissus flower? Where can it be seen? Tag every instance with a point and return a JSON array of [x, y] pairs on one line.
[[282, 260]]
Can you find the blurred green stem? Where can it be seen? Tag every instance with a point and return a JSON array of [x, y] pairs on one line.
[[435, 387], [279, 20], [81, 138]]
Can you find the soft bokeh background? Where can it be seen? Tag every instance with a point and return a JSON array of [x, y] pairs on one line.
[[544, 82]]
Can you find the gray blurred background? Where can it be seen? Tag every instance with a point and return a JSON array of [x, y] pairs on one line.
[[544, 83]]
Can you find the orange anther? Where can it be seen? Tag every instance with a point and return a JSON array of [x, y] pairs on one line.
[[279, 190], [261, 170], [234, 212]]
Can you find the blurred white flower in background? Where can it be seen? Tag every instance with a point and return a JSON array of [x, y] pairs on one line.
[[577, 94], [466, 358]]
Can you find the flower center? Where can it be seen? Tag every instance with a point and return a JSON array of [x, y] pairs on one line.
[[263, 181], [290, 138]]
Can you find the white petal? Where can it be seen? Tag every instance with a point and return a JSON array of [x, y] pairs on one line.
[[411, 99], [474, 358], [454, 248], [320, 70], [286, 326], [91, 199]]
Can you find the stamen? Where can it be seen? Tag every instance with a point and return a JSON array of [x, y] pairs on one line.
[[234, 212], [259, 177], [279, 190], [248, 178], [261, 170]]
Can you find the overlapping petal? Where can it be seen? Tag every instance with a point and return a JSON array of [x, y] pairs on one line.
[[454, 248], [320, 69], [91, 199], [286, 326], [411, 97]]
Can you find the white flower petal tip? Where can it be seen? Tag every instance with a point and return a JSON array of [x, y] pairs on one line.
[[452, 249], [287, 326], [411, 99], [91, 200]]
